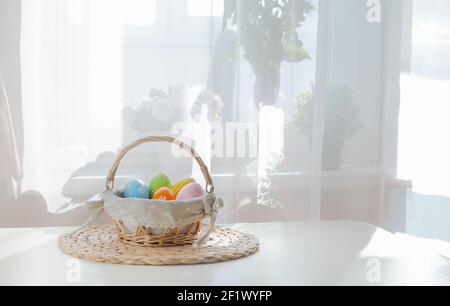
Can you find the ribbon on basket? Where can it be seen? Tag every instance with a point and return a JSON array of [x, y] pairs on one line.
[[212, 207], [96, 202]]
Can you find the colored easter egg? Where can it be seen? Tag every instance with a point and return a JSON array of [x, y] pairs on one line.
[[190, 191], [164, 194], [135, 188], [157, 182], [179, 185]]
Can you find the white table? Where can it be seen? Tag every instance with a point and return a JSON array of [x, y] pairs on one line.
[[322, 253]]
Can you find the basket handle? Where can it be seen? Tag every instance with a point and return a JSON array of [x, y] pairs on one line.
[[125, 150]]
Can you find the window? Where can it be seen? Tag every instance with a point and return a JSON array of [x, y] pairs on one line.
[[127, 69], [205, 8], [139, 12], [423, 146]]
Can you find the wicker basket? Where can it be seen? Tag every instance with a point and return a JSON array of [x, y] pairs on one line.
[[155, 223]]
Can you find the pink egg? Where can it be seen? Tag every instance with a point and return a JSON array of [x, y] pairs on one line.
[[190, 191]]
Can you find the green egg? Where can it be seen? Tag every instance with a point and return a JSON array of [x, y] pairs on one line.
[[159, 181]]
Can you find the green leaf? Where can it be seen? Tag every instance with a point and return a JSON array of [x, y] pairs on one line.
[[295, 53]]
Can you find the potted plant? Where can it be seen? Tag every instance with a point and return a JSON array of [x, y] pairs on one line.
[[269, 37], [341, 121]]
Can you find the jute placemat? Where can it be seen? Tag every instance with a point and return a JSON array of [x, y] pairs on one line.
[[100, 243]]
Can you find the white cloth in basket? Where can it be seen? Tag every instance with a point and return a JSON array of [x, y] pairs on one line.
[[157, 216]]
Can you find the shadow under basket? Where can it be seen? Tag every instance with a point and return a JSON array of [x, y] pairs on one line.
[[168, 237]]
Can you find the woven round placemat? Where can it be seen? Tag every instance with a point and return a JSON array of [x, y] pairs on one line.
[[100, 243]]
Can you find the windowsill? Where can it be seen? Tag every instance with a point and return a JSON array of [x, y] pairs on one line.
[[364, 178]]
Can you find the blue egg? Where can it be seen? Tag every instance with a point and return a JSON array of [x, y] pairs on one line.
[[135, 188]]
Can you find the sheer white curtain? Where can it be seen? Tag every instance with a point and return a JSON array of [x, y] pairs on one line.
[[296, 112], [87, 68], [71, 81], [87, 62], [10, 167]]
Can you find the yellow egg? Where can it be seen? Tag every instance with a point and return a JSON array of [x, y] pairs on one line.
[[178, 186]]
